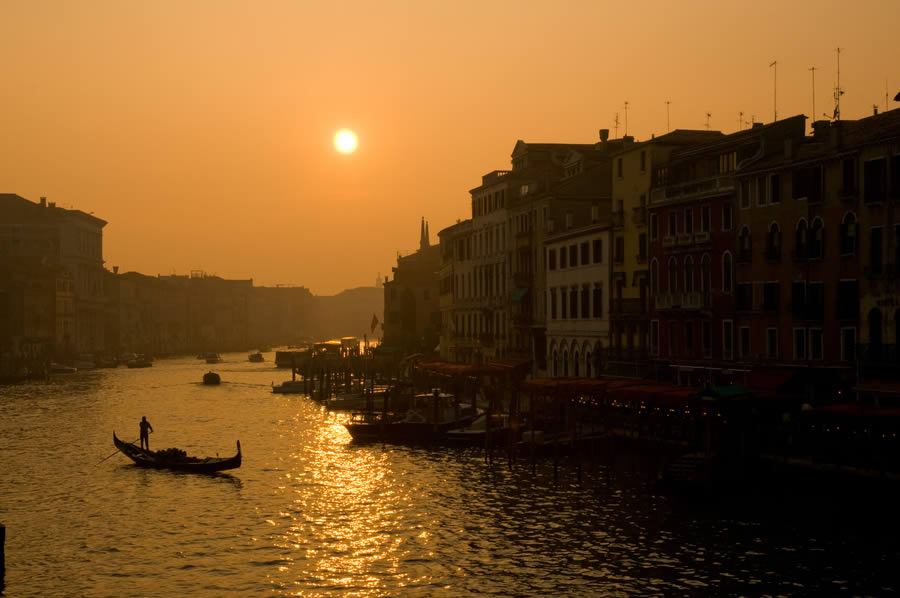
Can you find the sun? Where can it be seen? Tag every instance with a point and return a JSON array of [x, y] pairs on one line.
[[345, 141]]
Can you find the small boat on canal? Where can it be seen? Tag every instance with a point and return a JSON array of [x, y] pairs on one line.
[[289, 387], [211, 378], [213, 358], [140, 362], [256, 357], [176, 459]]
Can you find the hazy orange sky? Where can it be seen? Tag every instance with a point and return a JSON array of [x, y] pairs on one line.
[[202, 131]]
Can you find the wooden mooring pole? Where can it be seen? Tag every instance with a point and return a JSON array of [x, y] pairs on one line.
[[2, 557]]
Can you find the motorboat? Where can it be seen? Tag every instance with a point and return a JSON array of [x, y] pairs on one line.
[[429, 418], [139, 362], [476, 431], [290, 387], [211, 378], [60, 368], [256, 357], [213, 358]]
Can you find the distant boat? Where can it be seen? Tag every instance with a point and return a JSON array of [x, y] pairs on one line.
[[177, 459], [213, 358], [140, 362], [289, 387], [211, 378], [59, 368], [256, 357]]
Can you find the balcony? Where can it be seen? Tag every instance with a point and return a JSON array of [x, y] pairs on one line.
[[693, 189], [667, 301], [694, 300], [639, 216], [685, 239], [668, 241], [701, 237], [618, 218]]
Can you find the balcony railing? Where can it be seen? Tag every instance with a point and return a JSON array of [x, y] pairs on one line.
[[668, 241], [667, 300], [685, 238], [693, 189], [701, 237], [694, 300]]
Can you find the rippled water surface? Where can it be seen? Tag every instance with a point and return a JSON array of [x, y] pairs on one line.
[[309, 513]]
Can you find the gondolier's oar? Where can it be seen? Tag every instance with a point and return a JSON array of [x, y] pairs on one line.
[[114, 452]]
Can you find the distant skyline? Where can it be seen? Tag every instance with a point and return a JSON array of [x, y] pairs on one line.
[[203, 132]]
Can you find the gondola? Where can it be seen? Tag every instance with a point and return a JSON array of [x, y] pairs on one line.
[[168, 459]]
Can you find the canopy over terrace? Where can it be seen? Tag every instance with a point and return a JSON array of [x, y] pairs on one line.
[[657, 394]]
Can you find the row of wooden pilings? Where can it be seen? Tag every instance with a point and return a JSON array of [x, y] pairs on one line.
[[324, 376]]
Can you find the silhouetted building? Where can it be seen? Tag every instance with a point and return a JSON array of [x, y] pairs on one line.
[[457, 338], [412, 318]]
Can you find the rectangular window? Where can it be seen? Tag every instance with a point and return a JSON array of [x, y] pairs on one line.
[[895, 177], [673, 345], [573, 303], [874, 180], [727, 339], [848, 344], [585, 301], [771, 343], [620, 250], [775, 188], [745, 194], [815, 344], [848, 300], [597, 250], [654, 233], [688, 220], [643, 161], [706, 334], [705, 219], [876, 249], [551, 259], [553, 303], [573, 255], [585, 258], [671, 232], [770, 296], [848, 181], [689, 338], [642, 247], [799, 343], [654, 337], [563, 254], [760, 190], [745, 342], [815, 301], [562, 303], [598, 300], [798, 298], [727, 221], [743, 299]]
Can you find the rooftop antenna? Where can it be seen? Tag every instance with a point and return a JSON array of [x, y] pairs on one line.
[[812, 70], [708, 114], [741, 120], [775, 100], [616, 136], [626, 117], [838, 92], [667, 116], [885, 94]]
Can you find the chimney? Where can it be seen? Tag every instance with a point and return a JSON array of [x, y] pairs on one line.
[[115, 269], [604, 134], [820, 130], [43, 202]]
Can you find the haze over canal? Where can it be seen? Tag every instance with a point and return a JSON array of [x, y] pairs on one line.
[[309, 513]]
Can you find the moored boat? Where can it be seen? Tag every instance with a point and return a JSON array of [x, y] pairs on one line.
[[59, 368], [140, 362], [476, 431], [429, 418], [211, 378], [177, 459], [289, 387], [256, 357], [213, 358]]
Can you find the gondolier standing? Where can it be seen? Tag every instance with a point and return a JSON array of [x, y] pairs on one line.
[[145, 434]]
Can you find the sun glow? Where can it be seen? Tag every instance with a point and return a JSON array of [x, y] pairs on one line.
[[345, 141]]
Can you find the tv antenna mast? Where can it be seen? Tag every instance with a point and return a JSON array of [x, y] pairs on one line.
[[626, 117], [668, 128], [775, 99], [812, 70], [838, 92], [708, 114], [616, 136]]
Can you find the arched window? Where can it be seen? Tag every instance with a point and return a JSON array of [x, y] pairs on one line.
[[801, 240], [688, 274], [848, 235], [654, 276], [565, 371], [817, 240], [745, 246], [705, 274], [575, 365], [727, 272], [773, 243], [673, 275], [555, 363], [587, 364]]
